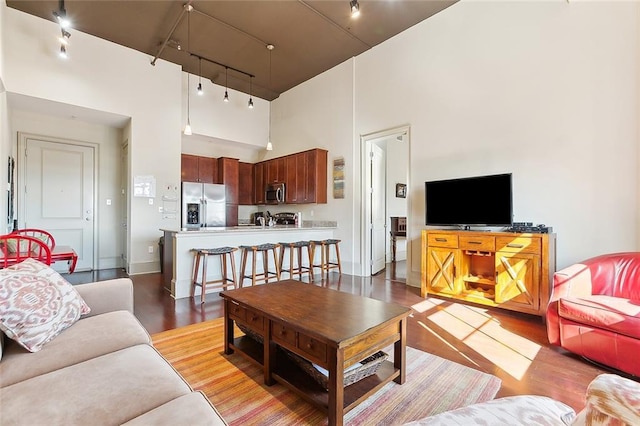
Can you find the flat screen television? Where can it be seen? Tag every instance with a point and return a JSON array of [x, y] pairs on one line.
[[477, 201]]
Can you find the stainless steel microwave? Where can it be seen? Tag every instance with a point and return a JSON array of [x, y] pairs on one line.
[[274, 193]]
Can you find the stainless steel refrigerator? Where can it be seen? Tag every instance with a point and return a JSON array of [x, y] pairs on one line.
[[203, 204]]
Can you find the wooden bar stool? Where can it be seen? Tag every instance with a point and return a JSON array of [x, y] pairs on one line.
[[325, 264], [201, 255], [297, 268], [265, 276]]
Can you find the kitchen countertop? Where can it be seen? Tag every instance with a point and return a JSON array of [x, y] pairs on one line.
[[250, 228]]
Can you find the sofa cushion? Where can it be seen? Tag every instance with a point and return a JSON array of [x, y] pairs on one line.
[[512, 410], [110, 389], [605, 312], [193, 409], [36, 304], [86, 339]]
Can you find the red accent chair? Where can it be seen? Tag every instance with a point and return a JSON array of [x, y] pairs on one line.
[[58, 253], [594, 310], [15, 248]]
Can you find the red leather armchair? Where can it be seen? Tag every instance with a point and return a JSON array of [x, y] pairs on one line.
[[594, 310]]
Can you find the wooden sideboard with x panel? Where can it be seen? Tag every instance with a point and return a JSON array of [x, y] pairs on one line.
[[501, 269]]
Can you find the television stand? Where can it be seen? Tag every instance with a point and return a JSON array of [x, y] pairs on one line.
[[508, 270]]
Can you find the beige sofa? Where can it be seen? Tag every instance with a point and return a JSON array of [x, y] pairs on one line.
[[101, 370]]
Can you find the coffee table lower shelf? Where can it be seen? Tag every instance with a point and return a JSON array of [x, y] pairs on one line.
[[289, 374]]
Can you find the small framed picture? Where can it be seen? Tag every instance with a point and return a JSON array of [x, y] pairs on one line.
[[401, 190]]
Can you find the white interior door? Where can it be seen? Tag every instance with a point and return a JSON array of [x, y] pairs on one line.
[[58, 194], [378, 209], [124, 204]]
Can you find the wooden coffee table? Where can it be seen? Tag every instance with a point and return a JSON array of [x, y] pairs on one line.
[[330, 328]]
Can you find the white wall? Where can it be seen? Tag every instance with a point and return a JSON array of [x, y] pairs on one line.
[[108, 139], [545, 90], [106, 77], [319, 114], [232, 122]]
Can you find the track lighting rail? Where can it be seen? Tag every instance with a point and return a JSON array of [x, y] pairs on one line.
[[173, 28], [222, 65]]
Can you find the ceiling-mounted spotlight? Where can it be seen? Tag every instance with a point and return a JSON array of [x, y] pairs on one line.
[[64, 38], [226, 85], [63, 52], [62, 19], [61, 15], [200, 91], [250, 87], [355, 8]]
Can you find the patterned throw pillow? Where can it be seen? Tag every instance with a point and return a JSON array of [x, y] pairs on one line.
[[37, 304]]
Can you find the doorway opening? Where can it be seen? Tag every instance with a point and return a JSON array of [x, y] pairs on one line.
[[385, 165]]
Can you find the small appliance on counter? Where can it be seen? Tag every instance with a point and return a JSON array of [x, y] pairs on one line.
[[256, 218], [285, 218], [203, 205]]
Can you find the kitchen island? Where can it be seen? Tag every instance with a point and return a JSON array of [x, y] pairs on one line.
[[177, 258]]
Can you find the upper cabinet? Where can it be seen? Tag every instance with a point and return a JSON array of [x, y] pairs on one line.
[[228, 175], [304, 175], [276, 170], [199, 169], [291, 182], [259, 185], [246, 184], [312, 177]]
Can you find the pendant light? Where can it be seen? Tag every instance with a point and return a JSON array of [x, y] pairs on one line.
[[270, 48], [250, 104], [187, 128], [200, 91], [226, 84]]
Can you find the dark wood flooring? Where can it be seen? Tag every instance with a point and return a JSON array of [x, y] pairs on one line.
[[509, 345]]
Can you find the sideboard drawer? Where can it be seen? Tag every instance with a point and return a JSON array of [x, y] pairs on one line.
[[442, 240], [478, 242], [519, 244], [316, 350], [282, 333]]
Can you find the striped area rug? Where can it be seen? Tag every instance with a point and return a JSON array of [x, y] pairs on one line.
[[234, 385]]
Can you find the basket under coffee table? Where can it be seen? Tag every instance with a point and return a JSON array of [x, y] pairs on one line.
[[326, 327]]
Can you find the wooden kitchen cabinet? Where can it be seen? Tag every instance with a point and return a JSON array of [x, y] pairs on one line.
[[314, 177], [228, 175], [276, 170], [291, 181], [198, 169], [259, 183], [246, 184], [502, 269]]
